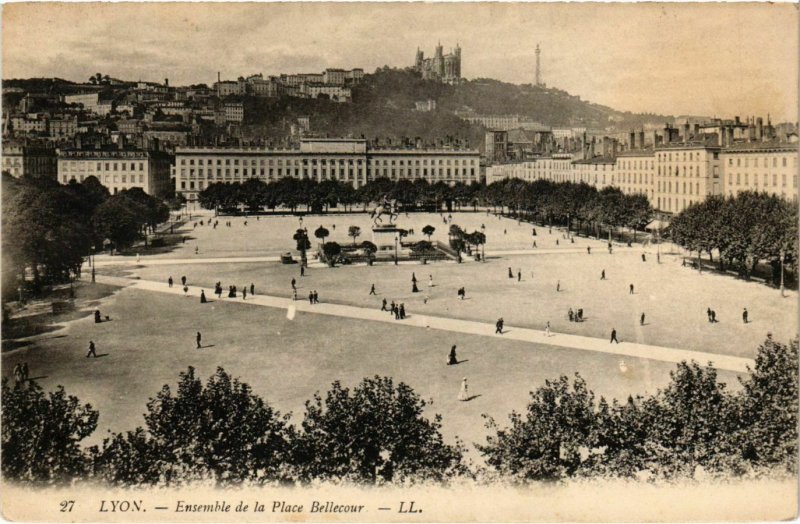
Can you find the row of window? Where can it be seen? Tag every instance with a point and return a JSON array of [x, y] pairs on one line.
[[106, 179], [764, 162], [76, 165], [765, 179], [314, 172], [324, 161]]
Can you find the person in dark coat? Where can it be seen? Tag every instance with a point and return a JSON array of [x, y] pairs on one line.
[[402, 311], [708, 313], [97, 318], [631, 288], [744, 316], [413, 278], [372, 290], [183, 280], [641, 320], [613, 336], [383, 305], [92, 350], [498, 327], [169, 281], [294, 284], [252, 289], [203, 297], [199, 338], [310, 297], [451, 358], [510, 273], [603, 275], [302, 270]]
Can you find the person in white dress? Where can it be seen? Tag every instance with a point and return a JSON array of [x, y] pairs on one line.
[[547, 329], [430, 280], [463, 394]]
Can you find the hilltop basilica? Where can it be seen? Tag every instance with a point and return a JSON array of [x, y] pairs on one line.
[[444, 68]]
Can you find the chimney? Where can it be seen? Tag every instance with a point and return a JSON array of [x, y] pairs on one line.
[[759, 129], [667, 133], [591, 148], [641, 139], [613, 147], [166, 82], [632, 140], [686, 131], [736, 119], [697, 131]]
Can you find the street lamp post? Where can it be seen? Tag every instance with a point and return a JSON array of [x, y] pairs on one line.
[[783, 254], [92, 263], [396, 241]]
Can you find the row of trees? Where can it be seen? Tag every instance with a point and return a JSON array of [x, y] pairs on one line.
[[49, 228], [255, 195], [568, 203], [743, 230], [377, 432]]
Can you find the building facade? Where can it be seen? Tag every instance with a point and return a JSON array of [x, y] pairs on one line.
[[346, 160], [760, 166], [117, 169], [30, 160]]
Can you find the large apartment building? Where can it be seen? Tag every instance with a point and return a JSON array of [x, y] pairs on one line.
[[347, 160], [29, 160], [117, 169], [673, 175]]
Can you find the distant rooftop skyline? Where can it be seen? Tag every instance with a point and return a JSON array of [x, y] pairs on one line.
[[698, 59]]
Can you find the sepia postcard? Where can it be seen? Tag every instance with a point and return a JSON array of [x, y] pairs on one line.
[[399, 262]]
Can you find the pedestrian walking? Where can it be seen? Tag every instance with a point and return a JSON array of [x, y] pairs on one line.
[[372, 290], [252, 289], [199, 339], [613, 336], [203, 297], [244, 293], [547, 329], [644, 259], [402, 311], [294, 284], [97, 318], [310, 297], [430, 280], [383, 305], [708, 313], [413, 278], [713, 317], [534, 243], [744, 316], [302, 270], [463, 394], [183, 280], [570, 314], [589, 250], [316, 297], [510, 273], [519, 275], [294, 294], [196, 250], [557, 242], [185, 290], [92, 350], [603, 275], [558, 286], [631, 289], [641, 320], [414, 288], [498, 327], [451, 358], [169, 281]]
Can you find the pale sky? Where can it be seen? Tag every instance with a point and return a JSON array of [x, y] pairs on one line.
[[706, 59]]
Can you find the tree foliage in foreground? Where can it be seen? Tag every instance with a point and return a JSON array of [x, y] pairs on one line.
[[41, 434]]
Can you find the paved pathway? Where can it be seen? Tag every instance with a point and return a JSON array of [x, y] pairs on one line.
[[629, 349]]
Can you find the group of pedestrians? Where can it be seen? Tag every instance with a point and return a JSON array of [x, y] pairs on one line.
[[313, 297], [397, 310], [576, 315]]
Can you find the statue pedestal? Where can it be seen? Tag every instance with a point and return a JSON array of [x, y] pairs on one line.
[[384, 237]]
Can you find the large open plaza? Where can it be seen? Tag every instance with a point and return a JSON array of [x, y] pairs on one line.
[[286, 357]]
